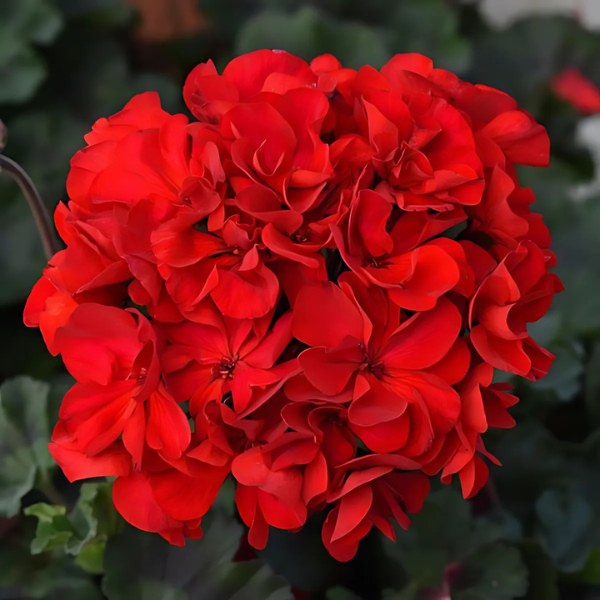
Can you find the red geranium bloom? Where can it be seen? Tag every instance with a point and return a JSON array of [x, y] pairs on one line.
[[89, 270], [414, 278], [210, 95], [112, 354], [372, 495], [227, 265], [422, 146], [505, 215], [218, 356], [360, 341], [308, 288], [518, 291]]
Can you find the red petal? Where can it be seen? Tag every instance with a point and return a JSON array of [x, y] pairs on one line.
[[424, 339], [135, 502], [114, 461], [168, 429], [343, 549], [250, 469], [324, 316], [280, 515], [353, 508], [316, 479], [330, 371], [378, 405], [384, 437], [187, 498], [248, 72]]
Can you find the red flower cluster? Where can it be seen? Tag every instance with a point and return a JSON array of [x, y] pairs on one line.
[[309, 288]]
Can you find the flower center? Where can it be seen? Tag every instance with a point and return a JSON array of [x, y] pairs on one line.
[[376, 368], [224, 369], [300, 238], [378, 262]]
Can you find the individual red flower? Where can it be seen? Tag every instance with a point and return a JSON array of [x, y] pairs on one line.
[[112, 355], [502, 130], [140, 153], [88, 270], [228, 266], [309, 289], [209, 95], [483, 405], [271, 488], [517, 292], [361, 342], [504, 214], [373, 495], [278, 143], [422, 147], [208, 360], [380, 252], [577, 90]]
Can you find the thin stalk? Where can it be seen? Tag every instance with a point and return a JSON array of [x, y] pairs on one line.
[[40, 214]]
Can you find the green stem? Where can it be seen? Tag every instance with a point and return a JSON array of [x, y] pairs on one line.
[[40, 214], [47, 487]]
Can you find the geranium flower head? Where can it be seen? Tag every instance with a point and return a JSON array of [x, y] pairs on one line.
[[307, 289]]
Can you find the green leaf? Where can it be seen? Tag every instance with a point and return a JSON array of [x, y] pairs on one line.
[[93, 517], [566, 528], [36, 577], [44, 22], [53, 530], [33, 20], [23, 22], [532, 461], [520, 59], [141, 565], [91, 557], [21, 77], [84, 532], [498, 573], [308, 33], [302, 559], [547, 329], [25, 401], [434, 541], [564, 378], [23, 434]]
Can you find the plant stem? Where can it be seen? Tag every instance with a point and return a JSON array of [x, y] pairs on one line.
[[40, 214]]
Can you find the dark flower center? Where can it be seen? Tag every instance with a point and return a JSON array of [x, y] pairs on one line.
[[224, 369], [369, 364], [300, 238]]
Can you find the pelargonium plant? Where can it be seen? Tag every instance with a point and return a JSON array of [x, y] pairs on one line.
[[309, 287]]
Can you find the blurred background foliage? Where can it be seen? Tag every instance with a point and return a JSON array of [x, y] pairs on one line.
[[533, 533]]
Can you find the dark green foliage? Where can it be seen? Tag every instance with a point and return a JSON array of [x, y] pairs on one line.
[[533, 533]]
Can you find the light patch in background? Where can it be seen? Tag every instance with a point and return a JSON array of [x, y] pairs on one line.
[[502, 13], [588, 136]]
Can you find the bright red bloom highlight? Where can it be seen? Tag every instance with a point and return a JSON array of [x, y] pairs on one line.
[[308, 289]]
